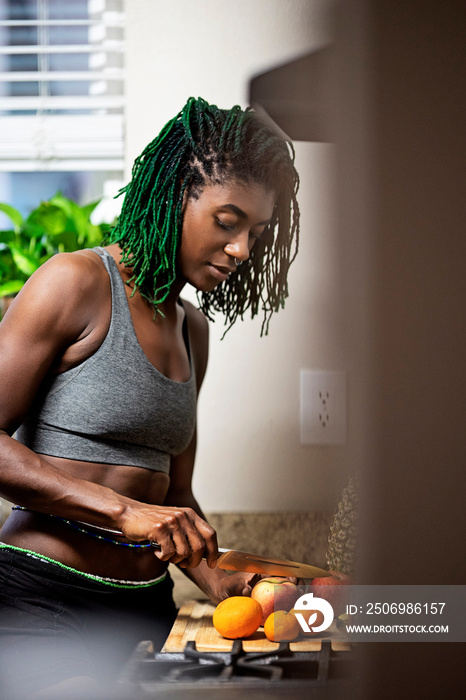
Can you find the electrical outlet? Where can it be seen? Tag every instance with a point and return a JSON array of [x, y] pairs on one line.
[[323, 407]]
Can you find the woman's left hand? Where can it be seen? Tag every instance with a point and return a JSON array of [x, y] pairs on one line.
[[241, 583]]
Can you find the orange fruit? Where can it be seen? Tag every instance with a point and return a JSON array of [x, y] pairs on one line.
[[281, 626], [237, 617]]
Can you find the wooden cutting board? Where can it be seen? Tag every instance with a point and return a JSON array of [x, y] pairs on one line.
[[194, 623]]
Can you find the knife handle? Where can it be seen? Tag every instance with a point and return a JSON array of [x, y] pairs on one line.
[[156, 546]]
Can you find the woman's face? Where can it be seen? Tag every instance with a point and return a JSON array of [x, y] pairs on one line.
[[219, 227]]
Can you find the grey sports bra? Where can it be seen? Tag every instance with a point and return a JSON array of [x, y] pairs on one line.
[[115, 407]]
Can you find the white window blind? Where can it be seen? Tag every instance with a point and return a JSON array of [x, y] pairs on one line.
[[61, 85]]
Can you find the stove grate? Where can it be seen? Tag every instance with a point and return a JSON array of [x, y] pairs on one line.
[[235, 666]]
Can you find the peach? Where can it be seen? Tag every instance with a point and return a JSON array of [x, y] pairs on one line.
[[275, 593], [281, 626]]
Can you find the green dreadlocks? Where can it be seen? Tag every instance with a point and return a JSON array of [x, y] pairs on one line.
[[204, 144]]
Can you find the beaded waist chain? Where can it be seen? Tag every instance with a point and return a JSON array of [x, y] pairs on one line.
[[112, 582], [84, 528]]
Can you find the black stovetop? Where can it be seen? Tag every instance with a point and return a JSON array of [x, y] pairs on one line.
[[193, 675]]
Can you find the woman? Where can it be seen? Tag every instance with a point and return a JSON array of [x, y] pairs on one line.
[[101, 367]]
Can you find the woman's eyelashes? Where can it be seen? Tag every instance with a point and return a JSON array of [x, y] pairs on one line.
[[225, 226], [231, 227]]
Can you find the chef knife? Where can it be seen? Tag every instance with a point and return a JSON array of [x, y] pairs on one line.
[[236, 560]]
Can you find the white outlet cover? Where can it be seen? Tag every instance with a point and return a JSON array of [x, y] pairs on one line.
[[323, 407]]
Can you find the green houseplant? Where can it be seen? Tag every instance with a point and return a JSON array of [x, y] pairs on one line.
[[55, 226]]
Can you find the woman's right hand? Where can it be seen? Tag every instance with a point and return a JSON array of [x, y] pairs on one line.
[[184, 537]]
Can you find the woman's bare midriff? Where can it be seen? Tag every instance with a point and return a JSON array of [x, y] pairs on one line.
[[59, 541]]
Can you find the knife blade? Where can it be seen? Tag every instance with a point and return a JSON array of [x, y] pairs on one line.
[[237, 560]]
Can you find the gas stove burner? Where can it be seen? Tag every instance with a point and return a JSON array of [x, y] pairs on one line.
[[278, 673], [230, 665], [291, 665], [221, 673]]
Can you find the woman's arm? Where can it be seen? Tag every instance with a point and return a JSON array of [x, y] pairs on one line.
[[52, 321], [215, 583]]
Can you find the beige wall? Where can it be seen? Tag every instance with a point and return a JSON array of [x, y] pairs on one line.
[[249, 456], [207, 48]]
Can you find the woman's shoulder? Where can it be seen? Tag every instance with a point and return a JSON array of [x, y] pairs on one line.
[[65, 291], [60, 316], [80, 268], [196, 319], [84, 266], [77, 277], [198, 326]]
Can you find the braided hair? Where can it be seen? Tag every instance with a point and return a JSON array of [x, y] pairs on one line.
[[207, 145]]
